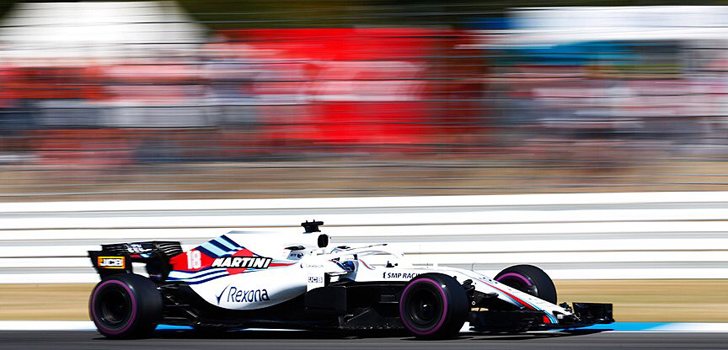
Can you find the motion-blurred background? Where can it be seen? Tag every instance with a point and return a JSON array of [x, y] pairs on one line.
[[331, 98], [242, 99]]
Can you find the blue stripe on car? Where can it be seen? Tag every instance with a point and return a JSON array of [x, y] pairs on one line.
[[215, 250], [228, 242]]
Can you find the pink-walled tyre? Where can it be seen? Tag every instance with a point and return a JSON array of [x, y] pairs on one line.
[[433, 306], [125, 306], [529, 279]]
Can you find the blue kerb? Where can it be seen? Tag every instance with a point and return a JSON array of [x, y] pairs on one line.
[[617, 326], [628, 326], [169, 327]]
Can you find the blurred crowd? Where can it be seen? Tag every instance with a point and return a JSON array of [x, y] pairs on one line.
[[248, 94], [526, 87]]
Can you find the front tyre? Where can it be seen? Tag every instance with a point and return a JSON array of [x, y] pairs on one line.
[[433, 306], [529, 279], [125, 306]]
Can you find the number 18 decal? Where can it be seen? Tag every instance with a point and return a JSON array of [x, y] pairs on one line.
[[194, 260]]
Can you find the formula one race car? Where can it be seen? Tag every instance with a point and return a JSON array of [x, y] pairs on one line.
[[242, 280]]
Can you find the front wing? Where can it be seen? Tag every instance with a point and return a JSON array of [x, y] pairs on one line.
[[584, 314]]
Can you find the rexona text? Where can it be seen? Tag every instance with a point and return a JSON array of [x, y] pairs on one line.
[[235, 295]]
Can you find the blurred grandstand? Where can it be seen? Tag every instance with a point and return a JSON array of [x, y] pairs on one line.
[[117, 100]]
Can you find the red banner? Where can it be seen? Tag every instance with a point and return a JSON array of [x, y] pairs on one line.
[[366, 86]]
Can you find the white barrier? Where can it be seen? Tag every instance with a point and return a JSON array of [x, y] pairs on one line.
[[593, 236]]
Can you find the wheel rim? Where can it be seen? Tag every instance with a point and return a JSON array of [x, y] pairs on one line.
[[424, 308], [113, 307]]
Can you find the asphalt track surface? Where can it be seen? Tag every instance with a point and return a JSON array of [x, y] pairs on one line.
[[179, 340]]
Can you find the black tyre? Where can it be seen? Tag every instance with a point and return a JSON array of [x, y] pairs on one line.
[[529, 279], [125, 306], [433, 306]]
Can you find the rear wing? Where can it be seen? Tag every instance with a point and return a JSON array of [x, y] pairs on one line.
[[118, 258]]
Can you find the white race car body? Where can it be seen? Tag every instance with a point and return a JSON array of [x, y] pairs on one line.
[[220, 280], [243, 279]]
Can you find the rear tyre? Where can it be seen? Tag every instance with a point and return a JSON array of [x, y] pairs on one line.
[[433, 306], [125, 306], [529, 279]]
